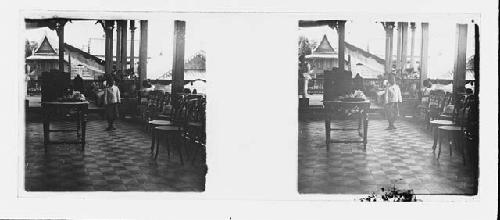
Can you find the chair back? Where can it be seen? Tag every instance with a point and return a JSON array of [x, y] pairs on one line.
[[436, 98], [165, 105], [436, 103], [469, 119], [196, 109], [179, 109]]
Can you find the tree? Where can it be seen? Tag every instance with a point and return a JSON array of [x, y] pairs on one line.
[[304, 46], [29, 47]]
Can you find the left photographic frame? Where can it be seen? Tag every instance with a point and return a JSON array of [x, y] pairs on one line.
[[112, 105]]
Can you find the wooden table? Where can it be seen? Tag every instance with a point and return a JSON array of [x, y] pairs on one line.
[[52, 110], [344, 110]]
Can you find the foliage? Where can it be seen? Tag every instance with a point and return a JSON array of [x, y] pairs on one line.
[[305, 46], [29, 47]]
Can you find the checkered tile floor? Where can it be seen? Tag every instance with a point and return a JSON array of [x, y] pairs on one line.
[[117, 160], [403, 156]]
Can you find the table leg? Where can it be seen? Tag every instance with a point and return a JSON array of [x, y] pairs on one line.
[[435, 130], [327, 130], [365, 132], [440, 142], [84, 130], [152, 140], [46, 128], [78, 121]]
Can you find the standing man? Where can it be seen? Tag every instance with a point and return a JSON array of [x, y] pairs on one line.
[[392, 100], [111, 101]]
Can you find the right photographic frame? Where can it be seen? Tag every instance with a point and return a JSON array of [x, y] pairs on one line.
[[388, 105]]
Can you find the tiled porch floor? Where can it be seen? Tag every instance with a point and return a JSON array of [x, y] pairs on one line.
[[113, 161], [404, 154]]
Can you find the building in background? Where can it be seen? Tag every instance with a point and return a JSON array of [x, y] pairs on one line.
[[76, 61]]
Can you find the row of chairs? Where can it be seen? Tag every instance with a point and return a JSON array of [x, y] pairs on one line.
[[437, 106], [177, 118], [457, 119]]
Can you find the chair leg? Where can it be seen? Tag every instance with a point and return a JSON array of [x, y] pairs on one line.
[[195, 153], [168, 144], [179, 149], [460, 139], [152, 141], [157, 137], [449, 143]]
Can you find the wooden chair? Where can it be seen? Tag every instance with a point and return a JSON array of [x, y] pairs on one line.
[[449, 110], [434, 106], [194, 130], [172, 131], [437, 101], [462, 128]]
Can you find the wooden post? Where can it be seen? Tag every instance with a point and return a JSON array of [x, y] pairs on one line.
[[108, 45], [460, 59], [389, 31], [424, 49], [143, 52], [178, 61], [132, 60], [69, 63], [412, 45], [123, 48], [59, 26], [404, 46], [341, 34], [476, 59], [118, 45], [398, 49]]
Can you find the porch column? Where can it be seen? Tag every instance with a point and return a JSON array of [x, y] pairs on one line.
[[398, 49], [59, 27], [460, 59], [132, 60], [118, 45], [123, 48], [404, 45], [424, 49], [341, 33], [476, 59], [389, 31], [143, 52], [108, 48], [412, 45], [178, 61]]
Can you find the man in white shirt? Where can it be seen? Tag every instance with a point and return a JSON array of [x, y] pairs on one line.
[[392, 100], [111, 100]]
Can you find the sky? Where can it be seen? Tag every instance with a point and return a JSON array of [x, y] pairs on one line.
[[369, 34], [361, 33], [160, 40]]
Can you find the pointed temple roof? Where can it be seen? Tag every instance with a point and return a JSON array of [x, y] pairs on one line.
[[323, 51], [324, 46], [45, 47], [45, 50]]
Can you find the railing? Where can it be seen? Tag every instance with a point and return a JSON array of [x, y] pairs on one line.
[[34, 86], [315, 86]]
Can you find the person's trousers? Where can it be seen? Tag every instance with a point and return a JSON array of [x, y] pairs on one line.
[[111, 113], [391, 112]]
